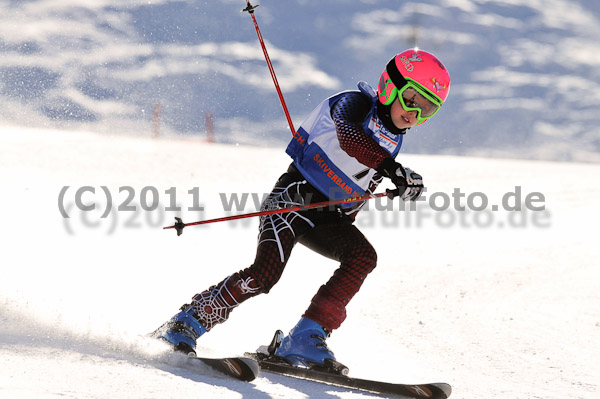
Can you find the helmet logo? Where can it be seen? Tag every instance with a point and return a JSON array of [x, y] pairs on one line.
[[407, 62], [438, 86]]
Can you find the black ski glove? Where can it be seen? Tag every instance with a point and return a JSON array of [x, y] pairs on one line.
[[393, 171], [409, 184]]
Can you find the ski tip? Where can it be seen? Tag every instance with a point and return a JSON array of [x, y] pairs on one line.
[[252, 366], [445, 388], [240, 368]]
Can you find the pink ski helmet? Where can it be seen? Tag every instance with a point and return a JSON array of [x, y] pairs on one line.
[[416, 66]]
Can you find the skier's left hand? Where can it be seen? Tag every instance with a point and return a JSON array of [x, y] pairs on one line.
[[409, 184], [414, 186], [412, 190]]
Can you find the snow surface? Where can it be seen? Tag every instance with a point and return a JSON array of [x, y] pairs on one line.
[[506, 310]]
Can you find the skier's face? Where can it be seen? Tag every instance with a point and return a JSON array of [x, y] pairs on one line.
[[402, 118]]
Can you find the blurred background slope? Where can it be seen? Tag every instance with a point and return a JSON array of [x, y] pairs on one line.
[[526, 74]]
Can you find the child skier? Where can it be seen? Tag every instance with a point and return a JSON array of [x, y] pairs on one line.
[[344, 149]]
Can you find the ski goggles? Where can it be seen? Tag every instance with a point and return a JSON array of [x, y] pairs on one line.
[[414, 98]]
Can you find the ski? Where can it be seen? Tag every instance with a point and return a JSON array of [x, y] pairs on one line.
[[335, 373], [416, 391], [240, 368]]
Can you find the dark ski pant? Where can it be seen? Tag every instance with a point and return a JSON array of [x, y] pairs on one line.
[[326, 231]]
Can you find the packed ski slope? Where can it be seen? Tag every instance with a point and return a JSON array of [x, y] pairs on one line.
[[499, 304]]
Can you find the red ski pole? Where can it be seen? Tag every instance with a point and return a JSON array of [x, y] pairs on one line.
[[250, 9], [180, 225]]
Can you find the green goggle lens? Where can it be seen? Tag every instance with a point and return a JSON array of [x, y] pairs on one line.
[[414, 98]]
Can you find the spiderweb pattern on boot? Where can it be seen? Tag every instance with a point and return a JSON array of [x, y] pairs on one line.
[[214, 305]]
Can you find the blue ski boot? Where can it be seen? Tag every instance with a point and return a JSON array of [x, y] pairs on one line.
[[305, 347], [181, 331]]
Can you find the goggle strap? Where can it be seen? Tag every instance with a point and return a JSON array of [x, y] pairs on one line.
[[397, 79]]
